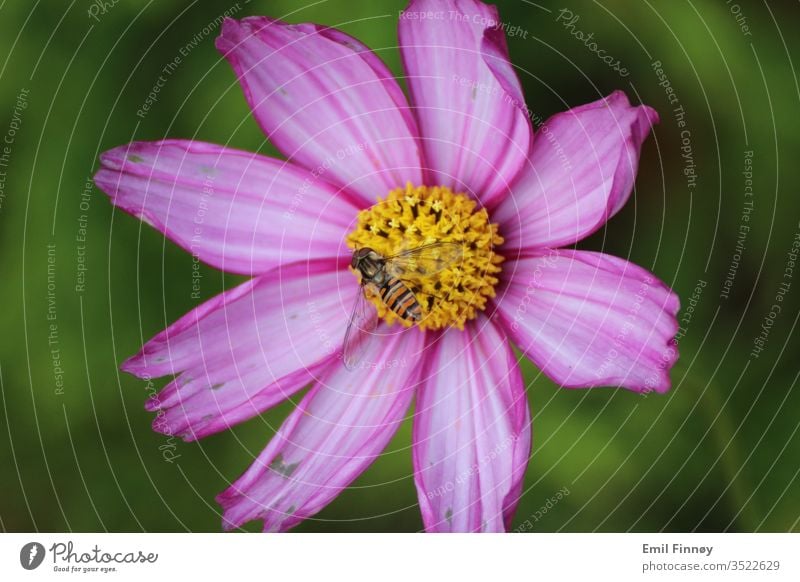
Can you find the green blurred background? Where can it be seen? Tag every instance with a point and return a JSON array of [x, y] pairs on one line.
[[718, 452]]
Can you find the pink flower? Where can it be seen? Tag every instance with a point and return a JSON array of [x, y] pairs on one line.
[[463, 154]]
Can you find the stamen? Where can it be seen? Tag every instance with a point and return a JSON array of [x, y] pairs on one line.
[[418, 215]]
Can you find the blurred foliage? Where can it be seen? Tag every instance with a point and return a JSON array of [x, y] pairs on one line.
[[718, 452]]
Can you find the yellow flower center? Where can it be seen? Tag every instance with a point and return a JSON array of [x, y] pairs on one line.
[[414, 216]]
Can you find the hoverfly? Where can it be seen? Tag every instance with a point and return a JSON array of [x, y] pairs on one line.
[[387, 277]]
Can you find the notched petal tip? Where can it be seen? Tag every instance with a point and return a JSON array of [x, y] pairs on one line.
[[233, 32], [647, 119], [112, 159], [135, 365], [618, 98], [651, 114]]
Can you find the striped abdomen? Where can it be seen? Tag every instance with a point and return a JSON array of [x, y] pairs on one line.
[[400, 299]]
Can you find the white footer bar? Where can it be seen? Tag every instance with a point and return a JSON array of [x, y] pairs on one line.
[[388, 557]]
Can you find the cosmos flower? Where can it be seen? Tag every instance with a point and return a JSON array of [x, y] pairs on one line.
[[365, 166]]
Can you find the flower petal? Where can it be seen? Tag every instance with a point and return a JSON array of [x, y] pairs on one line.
[[589, 319], [475, 133], [580, 173], [337, 430], [327, 102], [472, 433], [237, 211], [247, 349]]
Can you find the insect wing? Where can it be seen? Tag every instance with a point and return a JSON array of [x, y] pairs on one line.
[[360, 330], [423, 261]]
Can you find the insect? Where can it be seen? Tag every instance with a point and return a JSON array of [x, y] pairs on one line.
[[388, 278]]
